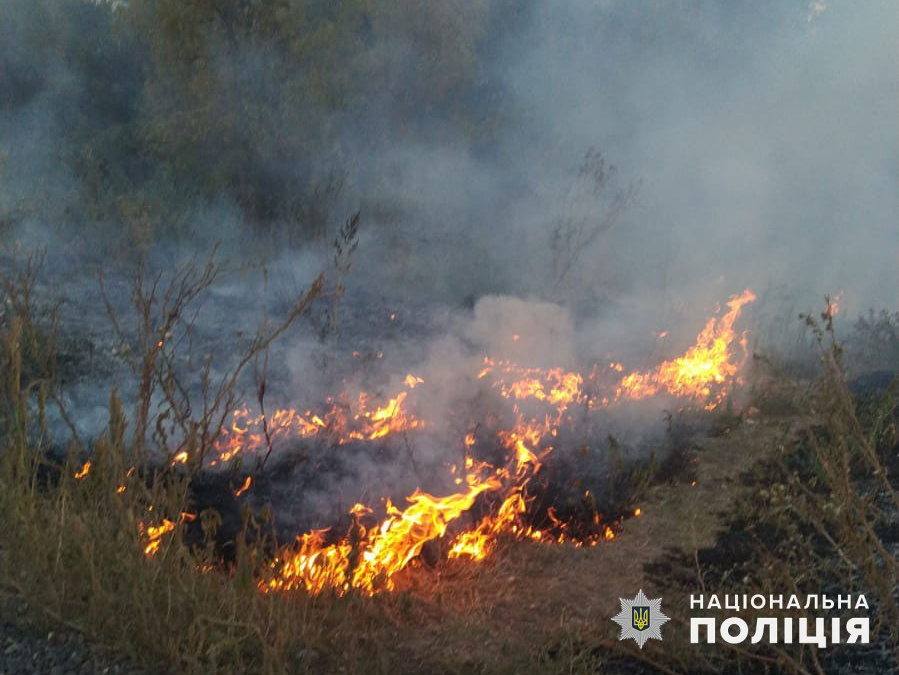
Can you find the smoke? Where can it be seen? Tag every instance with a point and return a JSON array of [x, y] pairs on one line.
[[754, 145], [765, 139]]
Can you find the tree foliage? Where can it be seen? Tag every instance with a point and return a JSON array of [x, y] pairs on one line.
[[260, 102]]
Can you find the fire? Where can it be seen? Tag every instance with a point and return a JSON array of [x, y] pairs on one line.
[[412, 381], [490, 500], [243, 488], [701, 371], [85, 469], [834, 304], [555, 386], [368, 558], [153, 535], [342, 422]]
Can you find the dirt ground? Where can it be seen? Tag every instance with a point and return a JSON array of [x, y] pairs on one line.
[[531, 607], [540, 608]]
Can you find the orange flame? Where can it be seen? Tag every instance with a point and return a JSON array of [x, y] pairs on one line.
[[243, 488], [700, 372], [370, 555], [369, 558], [412, 381], [249, 433], [86, 469], [153, 535], [834, 304], [555, 386]]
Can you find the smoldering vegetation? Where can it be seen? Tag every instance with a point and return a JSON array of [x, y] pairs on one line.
[[591, 179], [405, 188]]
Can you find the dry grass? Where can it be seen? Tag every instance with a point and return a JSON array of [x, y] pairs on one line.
[[814, 512], [72, 546]]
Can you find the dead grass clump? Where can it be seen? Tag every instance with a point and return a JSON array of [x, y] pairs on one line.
[[820, 519], [101, 548]]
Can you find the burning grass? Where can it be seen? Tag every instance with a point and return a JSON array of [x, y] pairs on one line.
[[815, 512], [374, 550], [113, 530], [116, 546]]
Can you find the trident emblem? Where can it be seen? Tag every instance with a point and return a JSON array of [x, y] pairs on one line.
[[640, 617]]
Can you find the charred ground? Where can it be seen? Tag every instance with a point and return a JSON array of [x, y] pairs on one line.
[[709, 501]]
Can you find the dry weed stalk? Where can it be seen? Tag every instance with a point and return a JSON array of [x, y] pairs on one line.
[[164, 319], [71, 543]]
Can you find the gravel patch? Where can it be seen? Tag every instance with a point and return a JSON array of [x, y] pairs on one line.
[[27, 649]]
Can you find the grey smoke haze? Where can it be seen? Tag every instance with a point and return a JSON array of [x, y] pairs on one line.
[[765, 137]]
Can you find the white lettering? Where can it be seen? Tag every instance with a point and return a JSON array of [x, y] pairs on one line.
[[742, 630], [835, 630], [857, 629], [818, 638], [760, 625], [788, 630], [709, 624]]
